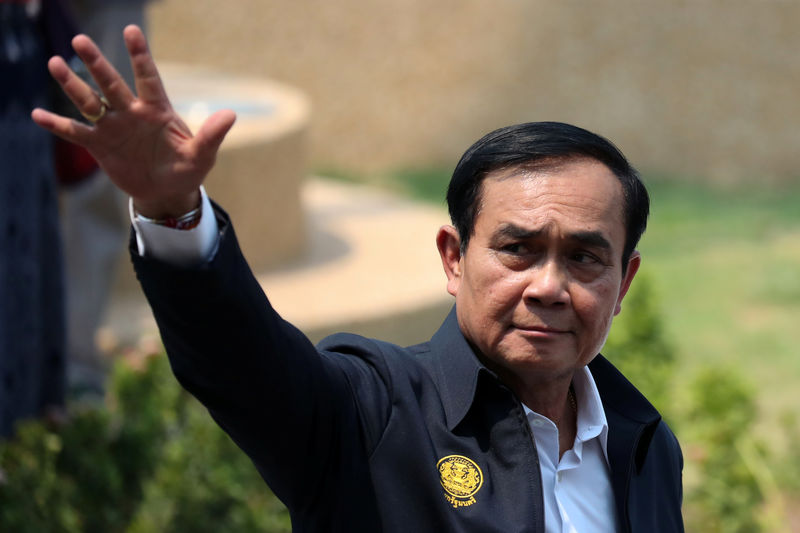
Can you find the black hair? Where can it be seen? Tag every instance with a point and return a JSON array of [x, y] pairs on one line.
[[535, 145]]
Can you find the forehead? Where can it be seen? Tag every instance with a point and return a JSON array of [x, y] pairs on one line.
[[579, 193]]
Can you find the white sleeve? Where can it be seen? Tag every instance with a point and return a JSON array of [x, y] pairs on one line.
[[180, 247]]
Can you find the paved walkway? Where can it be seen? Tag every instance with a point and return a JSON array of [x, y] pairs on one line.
[[371, 268]]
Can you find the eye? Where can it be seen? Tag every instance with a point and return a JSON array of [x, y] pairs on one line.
[[514, 248], [585, 258]]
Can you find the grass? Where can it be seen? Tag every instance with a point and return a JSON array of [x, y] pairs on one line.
[[725, 262], [428, 184]]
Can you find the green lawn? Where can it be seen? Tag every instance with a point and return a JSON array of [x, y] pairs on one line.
[[725, 262]]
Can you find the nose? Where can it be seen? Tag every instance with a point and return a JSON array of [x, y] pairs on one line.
[[547, 285]]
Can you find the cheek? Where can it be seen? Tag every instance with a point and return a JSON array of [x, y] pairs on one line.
[[503, 293], [595, 318], [486, 279], [596, 307]]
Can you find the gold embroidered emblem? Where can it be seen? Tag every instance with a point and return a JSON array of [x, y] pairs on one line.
[[461, 478]]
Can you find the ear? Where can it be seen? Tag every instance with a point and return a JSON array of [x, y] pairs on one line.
[[633, 266], [449, 245]]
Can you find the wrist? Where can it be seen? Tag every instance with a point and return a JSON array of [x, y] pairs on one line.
[[168, 209], [186, 221]]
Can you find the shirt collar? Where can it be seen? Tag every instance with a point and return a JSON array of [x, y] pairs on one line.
[[591, 417], [591, 422]]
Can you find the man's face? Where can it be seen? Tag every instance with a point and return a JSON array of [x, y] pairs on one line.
[[541, 278]]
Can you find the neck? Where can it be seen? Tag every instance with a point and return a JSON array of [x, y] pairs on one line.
[[555, 399]]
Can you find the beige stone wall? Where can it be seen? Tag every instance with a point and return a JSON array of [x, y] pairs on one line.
[[703, 87]]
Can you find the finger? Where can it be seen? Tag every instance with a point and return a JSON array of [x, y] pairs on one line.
[[105, 75], [77, 90], [209, 137], [66, 128], [148, 83]]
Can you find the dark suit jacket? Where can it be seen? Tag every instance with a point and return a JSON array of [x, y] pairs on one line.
[[361, 435]]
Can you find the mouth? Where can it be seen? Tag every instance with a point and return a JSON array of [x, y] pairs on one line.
[[540, 330]]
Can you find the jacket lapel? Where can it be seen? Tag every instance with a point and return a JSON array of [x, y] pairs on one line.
[[631, 423]]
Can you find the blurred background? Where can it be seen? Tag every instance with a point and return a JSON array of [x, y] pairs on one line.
[[353, 113], [698, 88]]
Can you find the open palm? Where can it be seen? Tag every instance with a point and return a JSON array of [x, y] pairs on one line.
[[140, 142]]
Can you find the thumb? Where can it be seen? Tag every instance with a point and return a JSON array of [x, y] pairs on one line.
[[211, 134]]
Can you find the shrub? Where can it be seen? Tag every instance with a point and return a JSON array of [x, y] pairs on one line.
[[731, 470], [638, 345], [153, 461], [728, 497]]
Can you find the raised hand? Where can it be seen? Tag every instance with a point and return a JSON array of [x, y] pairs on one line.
[[139, 140]]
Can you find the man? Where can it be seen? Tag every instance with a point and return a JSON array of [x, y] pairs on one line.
[[506, 420]]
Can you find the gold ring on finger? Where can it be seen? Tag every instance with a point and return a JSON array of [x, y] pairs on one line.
[[104, 106]]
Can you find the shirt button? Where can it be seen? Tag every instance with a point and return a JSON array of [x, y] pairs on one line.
[[538, 423], [559, 477]]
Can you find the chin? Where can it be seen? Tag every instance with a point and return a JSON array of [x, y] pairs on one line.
[[523, 358]]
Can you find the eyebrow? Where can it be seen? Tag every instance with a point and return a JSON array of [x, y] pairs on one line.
[[594, 239]]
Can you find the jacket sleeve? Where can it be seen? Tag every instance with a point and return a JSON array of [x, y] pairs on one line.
[[292, 409]]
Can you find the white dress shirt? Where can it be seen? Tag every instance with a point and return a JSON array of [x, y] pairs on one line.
[[577, 489]]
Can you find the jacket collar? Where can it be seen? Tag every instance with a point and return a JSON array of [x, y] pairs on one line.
[[619, 395], [459, 370], [632, 420]]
